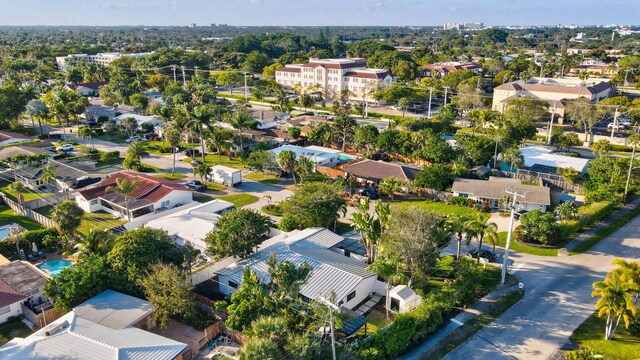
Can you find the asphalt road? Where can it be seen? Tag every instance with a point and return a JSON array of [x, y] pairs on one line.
[[557, 300]]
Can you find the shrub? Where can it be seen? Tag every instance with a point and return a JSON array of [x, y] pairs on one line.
[[458, 200], [595, 212], [110, 156], [38, 236], [540, 227]]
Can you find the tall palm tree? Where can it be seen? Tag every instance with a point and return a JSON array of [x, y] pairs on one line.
[[287, 276], [19, 189], [136, 150], [124, 187], [173, 136], [48, 174], [513, 157], [16, 235], [456, 225], [200, 120], [629, 271], [96, 242], [36, 108], [391, 270], [240, 120], [202, 171], [371, 226], [479, 229], [219, 139], [615, 301]]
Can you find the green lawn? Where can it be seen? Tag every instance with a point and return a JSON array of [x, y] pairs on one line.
[[13, 329], [176, 176], [7, 216], [263, 178], [117, 138], [146, 168], [28, 195], [212, 159], [623, 346], [376, 321], [606, 231], [203, 198], [502, 241], [239, 200], [215, 187], [438, 208], [98, 220]]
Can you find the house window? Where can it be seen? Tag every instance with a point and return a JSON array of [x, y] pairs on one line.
[[165, 203], [351, 296], [5, 310], [94, 202], [233, 284]]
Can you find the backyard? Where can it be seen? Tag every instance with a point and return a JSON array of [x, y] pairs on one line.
[[212, 159], [28, 195], [12, 329], [7, 216], [99, 220], [623, 346]]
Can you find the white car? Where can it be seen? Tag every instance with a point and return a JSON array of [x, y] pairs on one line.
[[616, 126], [395, 107], [132, 139], [65, 147]]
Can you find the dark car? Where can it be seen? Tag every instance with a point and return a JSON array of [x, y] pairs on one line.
[[192, 152], [151, 136], [484, 253], [370, 193], [519, 213], [196, 185]]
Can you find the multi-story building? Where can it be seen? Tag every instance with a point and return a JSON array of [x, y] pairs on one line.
[[332, 76], [444, 68], [557, 92], [100, 58]]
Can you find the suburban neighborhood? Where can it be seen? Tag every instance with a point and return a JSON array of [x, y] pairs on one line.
[[345, 190]]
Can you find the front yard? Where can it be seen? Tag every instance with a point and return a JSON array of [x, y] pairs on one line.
[[438, 208], [263, 178], [12, 329], [623, 346], [212, 159], [239, 200]]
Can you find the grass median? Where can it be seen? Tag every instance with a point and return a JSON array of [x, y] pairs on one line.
[[606, 231]]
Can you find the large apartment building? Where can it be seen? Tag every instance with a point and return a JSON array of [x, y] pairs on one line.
[[100, 58], [557, 92], [331, 76]]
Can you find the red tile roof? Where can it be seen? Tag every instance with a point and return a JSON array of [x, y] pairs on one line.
[[586, 90], [366, 75], [150, 188], [9, 296], [334, 65], [289, 69]]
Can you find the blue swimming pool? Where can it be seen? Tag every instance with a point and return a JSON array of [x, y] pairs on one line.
[[342, 158], [53, 267]]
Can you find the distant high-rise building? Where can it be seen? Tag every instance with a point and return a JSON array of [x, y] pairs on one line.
[[193, 25], [472, 26]]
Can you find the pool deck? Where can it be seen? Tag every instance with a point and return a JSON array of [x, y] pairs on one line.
[[51, 256]]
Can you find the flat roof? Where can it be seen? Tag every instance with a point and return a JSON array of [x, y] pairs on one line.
[[113, 309]]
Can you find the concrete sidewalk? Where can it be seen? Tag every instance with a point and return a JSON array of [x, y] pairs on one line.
[[479, 307], [573, 244]]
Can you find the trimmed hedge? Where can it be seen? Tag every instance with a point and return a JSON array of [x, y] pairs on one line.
[[587, 216]]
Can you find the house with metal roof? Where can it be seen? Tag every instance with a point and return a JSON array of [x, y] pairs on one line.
[[494, 189], [333, 272], [110, 325], [319, 155], [543, 160]]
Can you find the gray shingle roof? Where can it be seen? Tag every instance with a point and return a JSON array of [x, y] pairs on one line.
[[496, 188]]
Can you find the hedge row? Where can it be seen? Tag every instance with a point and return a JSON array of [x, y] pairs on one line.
[[408, 329], [587, 216]]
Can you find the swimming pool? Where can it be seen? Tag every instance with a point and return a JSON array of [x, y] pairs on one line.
[[53, 267], [343, 158]]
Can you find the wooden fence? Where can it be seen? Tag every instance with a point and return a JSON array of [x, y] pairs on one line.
[[40, 319], [19, 209], [330, 172], [47, 200]]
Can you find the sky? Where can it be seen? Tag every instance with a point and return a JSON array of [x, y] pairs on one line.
[[318, 13]]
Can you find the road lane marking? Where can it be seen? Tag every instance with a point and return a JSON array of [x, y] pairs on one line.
[[515, 270], [456, 321]]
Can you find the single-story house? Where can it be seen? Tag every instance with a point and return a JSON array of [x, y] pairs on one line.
[[128, 109], [266, 119], [494, 189], [191, 225], [333, 273], [70, 174], [376, 171], [140, 119], [11, 151], [151, 195], [110, 325], [319, 155], [20, 281], [90, 88], [94, 112], [542, 159], [305, 123]]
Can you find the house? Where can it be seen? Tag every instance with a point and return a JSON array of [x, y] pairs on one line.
[[104, 59], [11, 151], [69, 174], [305, 123], [191, 225], [332, 273], [10, 137], [140, 119], [494, 189], [20, 282], [332, 76], [90, 88], [443, 68], [266, 119], [149, 196], [319, 155], [557, 92], [542, 160], [155, 96], [129, 109], [110, 325], [95, 112], [376, 171]]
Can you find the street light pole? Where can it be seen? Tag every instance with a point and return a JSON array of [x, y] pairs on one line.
[[430, 94], [615, 123], [553, 114], [245, 84], [505, 259]]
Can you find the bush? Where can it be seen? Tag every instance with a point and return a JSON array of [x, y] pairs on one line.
[[595, 212], [110, 156], [38, 236], [458, 200], [540, 227]]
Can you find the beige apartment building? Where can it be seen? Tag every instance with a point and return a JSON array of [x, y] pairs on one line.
[[557, 92], [332, 76]]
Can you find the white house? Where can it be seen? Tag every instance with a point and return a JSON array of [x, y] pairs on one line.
[[140, 119], [332, 273], [20, 281], [494, 189], [266, 119], [319, 155], [151, 195], [542, 159], [110, 325]]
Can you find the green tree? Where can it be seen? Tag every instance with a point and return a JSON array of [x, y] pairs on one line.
[[286, 277], [37, 109], [255, 62], [237, 233], [304, 167], [569, 175], [371, 226], [294, 132], [48, 174], [18, 188], [403, 103], [140, 101], [96, 242], [614, 301], [513, 157], [365, 136], [169, 290], [540, 227], [124, 187], [248, 302], [584, 115], [306, 101], [436, 176], [456, 225], [173, 136], [343, 129], [312, 205], [480, 229], [629, 271], [390, 270], [601, 147], [67, 216], [219, 140], [202, 171], [129, 126], [260, 160], [566, 211], [287, 162], [390, 186], [240, 120], [567, 140]]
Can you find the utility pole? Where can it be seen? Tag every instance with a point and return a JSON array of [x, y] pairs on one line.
[[505, 259], [626, 187], [626, 73], [184, 75], [553, 114], [332, 307], [430, 94], [195, 72], [245, 84], [173, 67], [446, 89], [615, 122]]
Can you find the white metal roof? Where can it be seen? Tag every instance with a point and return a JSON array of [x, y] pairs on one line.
[[313, 153], [538, 155]]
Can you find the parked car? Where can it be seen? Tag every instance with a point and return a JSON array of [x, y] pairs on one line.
[[616, 126], [65, 147], [519, 213], [192, 152], [370, 193], [196, 185], [132, 139], [483, 253], [151, 136]]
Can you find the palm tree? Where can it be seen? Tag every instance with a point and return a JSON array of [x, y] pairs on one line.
[[36, 108], [218, 139], [173, 136], [200, 119], [629, 271], [18, 188], [124, 187], [369, 226], [513, 157], [287, 162], [479, 229], [456, 224], [48, 174], [287, 276], [202, 171], [96, 242], [391, 270], [16, 235], [241, 119], [615, 301], [136, 150]]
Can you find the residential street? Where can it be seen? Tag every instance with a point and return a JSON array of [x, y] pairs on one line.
[[557, 300]]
